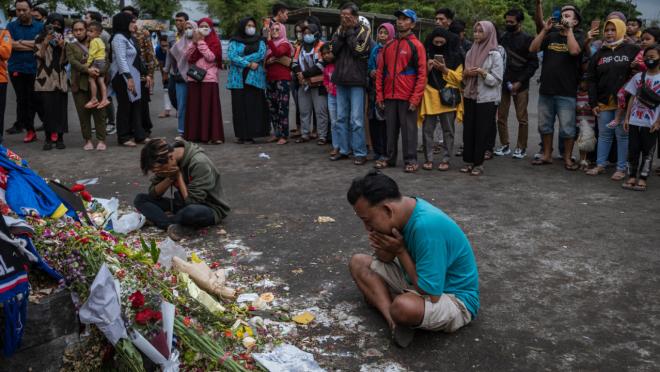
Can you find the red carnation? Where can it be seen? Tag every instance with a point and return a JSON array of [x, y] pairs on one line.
[[77, 188], [86, 195], [156, 316], [137, 300]]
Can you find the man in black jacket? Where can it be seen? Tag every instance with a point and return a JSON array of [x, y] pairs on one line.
[[520, 67], [351, 45]]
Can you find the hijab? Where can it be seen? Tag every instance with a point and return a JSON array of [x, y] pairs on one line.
[[212, 41], [179, 49], [451, 52], [314, 29], [620, 27], [280, 39], [50, 21], [390, 31], [251, 42], [478, 54]]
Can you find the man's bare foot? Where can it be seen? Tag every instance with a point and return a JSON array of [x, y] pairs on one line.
[[101, 146], [88, 146], [402, 336]]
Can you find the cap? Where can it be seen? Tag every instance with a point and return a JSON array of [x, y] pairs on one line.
[[574, 9], [407, 13]]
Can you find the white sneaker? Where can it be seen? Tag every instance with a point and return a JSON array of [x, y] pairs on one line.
[[519, 153], [502, 150]]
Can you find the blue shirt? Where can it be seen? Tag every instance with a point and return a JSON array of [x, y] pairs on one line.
[[23, 61], [442, 255]]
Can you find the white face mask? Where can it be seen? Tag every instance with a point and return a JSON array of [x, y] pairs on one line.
[[250, 31], [189, 33], [204, 31]]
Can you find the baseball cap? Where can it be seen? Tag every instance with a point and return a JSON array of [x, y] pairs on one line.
[[407, 13]]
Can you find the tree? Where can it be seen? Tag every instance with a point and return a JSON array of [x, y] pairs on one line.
[[104, 6], [158, 9], [231, 11]]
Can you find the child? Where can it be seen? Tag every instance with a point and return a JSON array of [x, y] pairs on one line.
[[329, 61], [96, 59], [377, 125], [643, 119], [650, 36], [586, 121]]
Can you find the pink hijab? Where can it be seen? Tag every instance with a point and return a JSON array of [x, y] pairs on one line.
[[477, 55], [179, 49], [280, 40]]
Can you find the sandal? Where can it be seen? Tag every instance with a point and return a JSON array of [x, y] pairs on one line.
[[488, 155], [321, 142], [630, 184], [443, 167], [272, 139], [129, 144], [380, 164], [541, 161], [466, 169], [477, 171], [571, 166], [411, 168], [427, 166], [595, 171], [618, 176], [302, 139], [640, 187], [282, 141]]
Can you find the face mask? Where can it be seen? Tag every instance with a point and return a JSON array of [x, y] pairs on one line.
[[299, 35], [651, 63], [189, 33], [205, 31], [511, 28], [308, 39], [250, 31]]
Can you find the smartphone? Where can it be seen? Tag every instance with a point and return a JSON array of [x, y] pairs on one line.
[[595, 24], [440, 58], [556, 16]]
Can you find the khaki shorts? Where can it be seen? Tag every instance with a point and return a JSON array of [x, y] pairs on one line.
[[447, 315]]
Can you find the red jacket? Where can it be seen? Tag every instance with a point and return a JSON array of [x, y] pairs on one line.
[[276, 71], [401, 81]]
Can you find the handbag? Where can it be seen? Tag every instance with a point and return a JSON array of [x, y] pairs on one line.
[[196, 73], [315, 81], [450, 97], [647, 96]]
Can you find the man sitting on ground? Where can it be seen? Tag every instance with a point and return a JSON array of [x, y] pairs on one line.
[[198, 200], [420, 255]]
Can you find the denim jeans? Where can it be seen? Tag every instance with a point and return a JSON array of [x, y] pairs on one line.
[[350, 120], [154, 209], [181, 98], [561, 107], [605, 139], [332, 111]]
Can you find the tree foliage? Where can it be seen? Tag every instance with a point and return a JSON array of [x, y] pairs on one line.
[[158, 9]]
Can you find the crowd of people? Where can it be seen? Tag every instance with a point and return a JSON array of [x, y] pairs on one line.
[[352, 92]]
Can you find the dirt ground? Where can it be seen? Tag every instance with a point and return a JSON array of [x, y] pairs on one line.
[[569, 264]]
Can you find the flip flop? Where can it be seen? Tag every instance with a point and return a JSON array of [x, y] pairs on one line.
[[571, 167], [639, 187], [541, 161]]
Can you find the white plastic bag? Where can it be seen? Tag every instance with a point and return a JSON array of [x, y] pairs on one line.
[[168, 250], [129, 222], [287, 358]]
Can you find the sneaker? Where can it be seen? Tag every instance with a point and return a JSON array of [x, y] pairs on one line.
[[31, 136], [60, 145], [178, 232], [110, 129], [502, 150], [519, 153], [538, 155]]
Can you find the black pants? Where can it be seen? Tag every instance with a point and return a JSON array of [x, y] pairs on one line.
[[154, 209], [492, 134], [28, 102], [144, 107], [129, 114], [171, 92], [400, 118], [640, 140], [478, 121], [378, 131], [3, 103]]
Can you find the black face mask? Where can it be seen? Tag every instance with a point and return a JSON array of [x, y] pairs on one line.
[[651, 63], [511, 28]]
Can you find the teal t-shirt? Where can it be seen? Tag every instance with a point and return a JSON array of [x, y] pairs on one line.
[[442, 255]]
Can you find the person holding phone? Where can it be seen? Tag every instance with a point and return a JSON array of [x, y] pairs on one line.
[[561, 44], [445, 75]]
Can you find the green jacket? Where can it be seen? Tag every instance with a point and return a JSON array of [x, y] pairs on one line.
[[202, 179], [79, 71]]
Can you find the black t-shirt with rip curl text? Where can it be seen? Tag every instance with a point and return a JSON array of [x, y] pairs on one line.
[[560, 71]]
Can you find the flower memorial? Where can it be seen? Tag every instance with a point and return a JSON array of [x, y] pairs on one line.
[[210, 330]]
